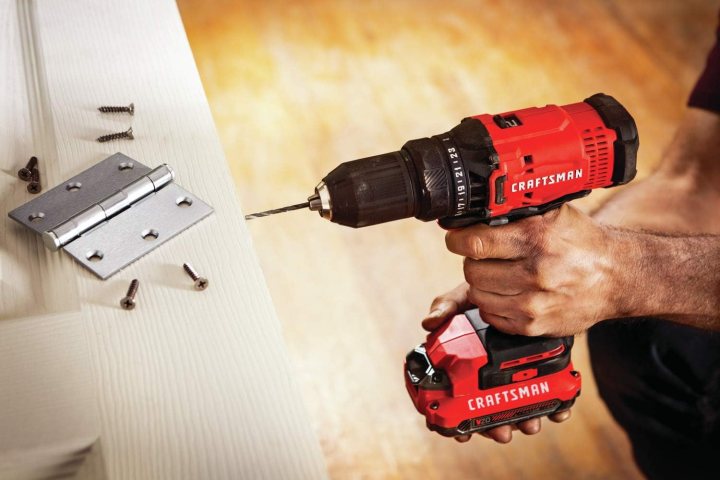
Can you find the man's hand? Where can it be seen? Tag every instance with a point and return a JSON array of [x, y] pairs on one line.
[[553, 274], [450, 304]]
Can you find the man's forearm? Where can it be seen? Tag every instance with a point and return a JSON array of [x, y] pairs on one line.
[[674, 277], [674, 273]]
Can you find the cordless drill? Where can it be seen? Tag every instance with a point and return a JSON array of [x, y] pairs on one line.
[[469, 377]]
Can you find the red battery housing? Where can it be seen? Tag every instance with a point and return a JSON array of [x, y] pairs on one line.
[[468, 377]]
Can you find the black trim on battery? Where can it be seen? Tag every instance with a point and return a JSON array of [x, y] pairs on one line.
[[480, 424]]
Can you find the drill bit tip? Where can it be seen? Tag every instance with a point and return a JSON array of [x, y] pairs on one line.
[[277, 210]]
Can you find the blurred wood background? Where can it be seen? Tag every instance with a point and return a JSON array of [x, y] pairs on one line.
[[297, 87]]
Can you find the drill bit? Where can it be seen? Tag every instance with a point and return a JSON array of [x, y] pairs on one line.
[[277, 210]]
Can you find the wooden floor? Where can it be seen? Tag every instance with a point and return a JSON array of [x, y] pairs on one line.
[[297, 87]]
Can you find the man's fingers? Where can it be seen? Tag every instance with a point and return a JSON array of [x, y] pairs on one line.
[[463, 438], [504, 324], [506, 277], [446, 305], [560, 416], [494, 304], [501, 434], [530, 427], [481, 241]]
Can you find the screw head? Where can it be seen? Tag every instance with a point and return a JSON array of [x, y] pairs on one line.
[[24, 174], [34, 187], [131, 109], [129, 133], [201, 283], [127, 303], [434, 405]]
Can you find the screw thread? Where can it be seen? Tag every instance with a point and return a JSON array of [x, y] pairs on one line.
[[190, 271], [115, 136], [32, 163], [116, 109], [133, 288], [35, 175]]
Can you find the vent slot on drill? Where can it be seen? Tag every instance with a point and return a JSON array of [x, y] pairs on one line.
[[597, 150]]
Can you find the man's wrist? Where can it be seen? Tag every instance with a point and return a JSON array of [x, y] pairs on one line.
[[621, 276], [637, 282]]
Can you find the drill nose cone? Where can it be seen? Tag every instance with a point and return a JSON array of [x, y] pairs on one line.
[[315, 202], [320, 201]]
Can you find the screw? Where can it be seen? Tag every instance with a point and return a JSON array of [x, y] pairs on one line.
[[434, 405], [115, 136], [111, 109], [26, 172], [201, 283], [128, 302], [34, 185]]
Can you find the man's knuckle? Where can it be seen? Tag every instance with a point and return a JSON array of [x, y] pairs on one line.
[[530, 267], [450, 240], [538, 271], [542, 279], [469, 270], [531, 329], [476, 246], [476, 297], [525, 310], [438, 299], [531, 306]]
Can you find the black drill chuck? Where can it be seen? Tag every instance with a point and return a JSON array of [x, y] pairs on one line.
[[371, 190], [421, 180]]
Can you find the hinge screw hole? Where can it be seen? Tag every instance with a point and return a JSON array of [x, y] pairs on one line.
[[184, 202], [36, 217], [150, 234], [126, 166], [73, 187], [94, 255]]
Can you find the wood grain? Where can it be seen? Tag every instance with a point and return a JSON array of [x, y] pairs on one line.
[[48, 418], [296, 88], [189, 384]]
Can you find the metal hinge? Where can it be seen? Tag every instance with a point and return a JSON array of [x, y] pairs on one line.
[[112, 213]]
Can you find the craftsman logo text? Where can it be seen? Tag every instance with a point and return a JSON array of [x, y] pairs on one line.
[[546, 180], [509, 395]]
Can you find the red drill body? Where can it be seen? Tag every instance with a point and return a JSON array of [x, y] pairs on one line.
[[549, 153]]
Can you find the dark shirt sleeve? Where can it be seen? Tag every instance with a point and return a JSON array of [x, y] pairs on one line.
[[706, 94]]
